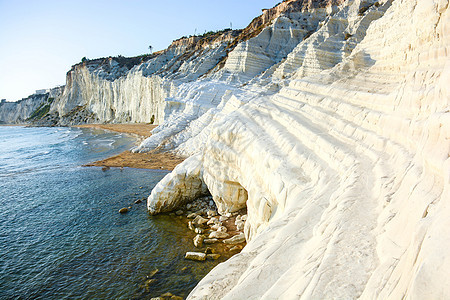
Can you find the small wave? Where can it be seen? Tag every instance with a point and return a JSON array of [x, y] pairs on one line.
[[37, 154]]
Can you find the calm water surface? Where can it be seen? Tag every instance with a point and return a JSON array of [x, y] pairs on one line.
[[61, 236]]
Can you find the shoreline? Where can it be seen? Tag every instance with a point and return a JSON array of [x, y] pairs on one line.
[[127, 159]]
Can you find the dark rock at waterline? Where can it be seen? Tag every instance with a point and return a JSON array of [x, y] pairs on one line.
[[199, 256], [210, 241], [168, 296], [123, 210], [213, 256], [209, 250], [105, 168], [138, 201], [198, 241]]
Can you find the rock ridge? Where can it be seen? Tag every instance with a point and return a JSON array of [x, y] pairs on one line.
[[328, 120]]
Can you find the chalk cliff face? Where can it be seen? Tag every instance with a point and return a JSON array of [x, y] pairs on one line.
[[328, 119], [336, 139], [28, 109], [118, 90]]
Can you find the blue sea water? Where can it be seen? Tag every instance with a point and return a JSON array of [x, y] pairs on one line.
[[61, 236]]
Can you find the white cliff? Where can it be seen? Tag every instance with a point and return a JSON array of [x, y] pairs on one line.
[[339, 151], [28, 109], [329, 120]]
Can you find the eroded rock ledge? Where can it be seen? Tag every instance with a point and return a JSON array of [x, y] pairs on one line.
[[339, 151], [329, 120]]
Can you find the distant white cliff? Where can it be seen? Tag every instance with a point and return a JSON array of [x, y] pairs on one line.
[[329, 120]]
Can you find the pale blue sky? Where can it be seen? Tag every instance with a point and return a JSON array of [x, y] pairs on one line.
[[41, 40]]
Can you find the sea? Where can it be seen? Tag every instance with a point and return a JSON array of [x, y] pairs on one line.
[[61, 236]]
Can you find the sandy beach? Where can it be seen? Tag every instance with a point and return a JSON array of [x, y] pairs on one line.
[[150, 160]]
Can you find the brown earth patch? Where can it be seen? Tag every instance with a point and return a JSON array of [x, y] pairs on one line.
[[149, 160]]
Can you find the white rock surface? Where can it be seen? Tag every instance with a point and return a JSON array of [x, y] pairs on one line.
[[185, 177], [340, 152], [331, 125]]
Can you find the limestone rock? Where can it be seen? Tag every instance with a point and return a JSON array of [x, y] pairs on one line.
[[240, 225], [212, 256], [199, 220], [199, 230], [218, 235], [210, 241], [198, 241], [191, 216], [191, 226], [211, 213], [199, 256], [239, 238], [222, 229], [182, 185]]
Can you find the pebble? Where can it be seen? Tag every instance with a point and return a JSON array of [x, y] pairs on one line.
[[198, 241], [137, 201], [213, 256], [153, 273], [210, 241], [240, 238], [199, 230], [191, 226], [222, 229], [213, 220], [200, 212], [215, 227], [240, 226], [218, 235], [192, 216], [123, 210], [195, 256], [179, 212], [199, 220], [236, 248], [209, 250], [188, 206], [211, 213]]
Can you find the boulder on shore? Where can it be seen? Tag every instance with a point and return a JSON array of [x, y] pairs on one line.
[[198, 256], [123, 210]]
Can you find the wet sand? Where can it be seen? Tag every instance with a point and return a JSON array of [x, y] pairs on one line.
[[149, 160]]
